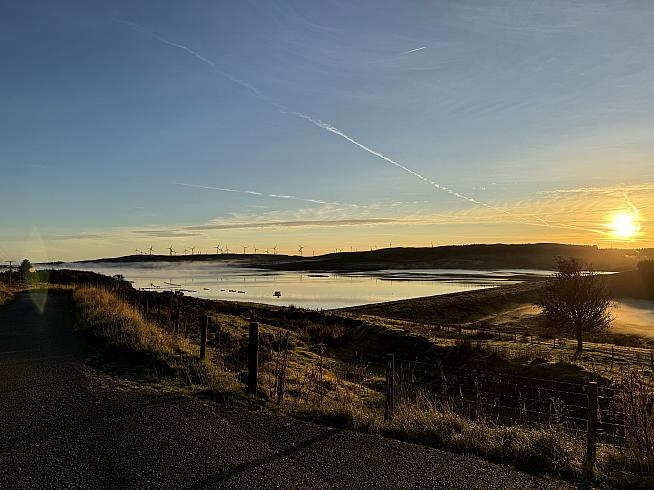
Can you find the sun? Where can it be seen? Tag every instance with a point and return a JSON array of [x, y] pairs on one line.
[[624, 225]]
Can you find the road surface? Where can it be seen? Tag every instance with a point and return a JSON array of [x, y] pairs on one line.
[[61, 428]]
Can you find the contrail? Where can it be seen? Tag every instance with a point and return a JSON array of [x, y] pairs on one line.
[[196, 55], [262, 194], [413, 50], [635, 210], [338, 132], [631, 205]]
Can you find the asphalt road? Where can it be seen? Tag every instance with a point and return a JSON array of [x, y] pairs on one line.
[[60, 428]]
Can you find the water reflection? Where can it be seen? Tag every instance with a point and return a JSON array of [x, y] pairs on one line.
[[308, 290]]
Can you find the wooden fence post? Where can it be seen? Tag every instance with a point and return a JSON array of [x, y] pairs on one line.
[[591, 447], [204, 326], [253, 358], [178, 322], [554, 342], [390, 388]]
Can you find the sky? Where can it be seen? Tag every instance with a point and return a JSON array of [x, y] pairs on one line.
[[336, 125]]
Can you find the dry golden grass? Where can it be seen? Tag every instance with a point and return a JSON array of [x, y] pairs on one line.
[[548, 450], [124, 332], [545, 450], [5, 294]]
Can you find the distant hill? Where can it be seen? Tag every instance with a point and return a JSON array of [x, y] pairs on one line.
[[484, 257]]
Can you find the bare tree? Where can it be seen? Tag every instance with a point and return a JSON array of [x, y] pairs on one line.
[[576, 299]]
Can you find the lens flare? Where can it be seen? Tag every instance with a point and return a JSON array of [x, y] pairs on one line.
[[624, 225]]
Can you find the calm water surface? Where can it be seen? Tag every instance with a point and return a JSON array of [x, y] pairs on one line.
[[308, 290]]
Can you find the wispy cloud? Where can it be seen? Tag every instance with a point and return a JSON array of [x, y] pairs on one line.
[[611, 190], [81, 236], [572, 218], [263, 194], [413, 50], [224, 225]]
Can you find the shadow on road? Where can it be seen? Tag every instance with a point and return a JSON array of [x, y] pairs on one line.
[[250, 465]]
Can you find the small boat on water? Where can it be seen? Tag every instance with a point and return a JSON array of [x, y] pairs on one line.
[[241, 292], [277, 294], [173, 284], [232, 290]]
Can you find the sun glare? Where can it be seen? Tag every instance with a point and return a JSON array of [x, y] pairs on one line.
[[624, 225]]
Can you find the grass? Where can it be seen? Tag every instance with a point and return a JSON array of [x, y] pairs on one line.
[[126, 336], [5, 294], [546, 450], [460, 307]]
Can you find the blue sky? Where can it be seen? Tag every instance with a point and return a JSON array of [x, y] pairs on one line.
[[108, 106]]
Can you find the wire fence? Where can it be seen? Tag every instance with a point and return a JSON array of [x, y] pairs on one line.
[[514, 345]]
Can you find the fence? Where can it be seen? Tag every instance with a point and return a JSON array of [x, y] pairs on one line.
[[515, 345]]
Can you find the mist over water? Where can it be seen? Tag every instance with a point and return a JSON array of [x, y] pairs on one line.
[[634, 317], [302, 289]]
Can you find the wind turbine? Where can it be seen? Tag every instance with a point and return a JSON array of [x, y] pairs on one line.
[[245, 247], [136, 251], [217, 247], [299, 249], [185, 250], [172, 252], [192, 250], [255, 250], [275, 250], [226, 249], [150, 250]]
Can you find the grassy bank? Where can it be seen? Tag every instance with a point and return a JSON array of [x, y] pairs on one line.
[[125, 335], [463, 307], [5, 294]]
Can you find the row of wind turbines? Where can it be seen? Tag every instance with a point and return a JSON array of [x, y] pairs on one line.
[[223, 249], [219, 250]]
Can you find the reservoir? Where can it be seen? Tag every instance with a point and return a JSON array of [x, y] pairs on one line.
[[303, 289]]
